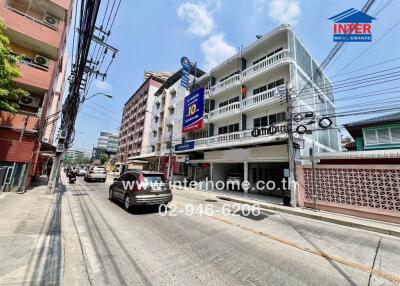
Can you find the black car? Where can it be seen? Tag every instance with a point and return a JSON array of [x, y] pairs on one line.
[[140, 188]]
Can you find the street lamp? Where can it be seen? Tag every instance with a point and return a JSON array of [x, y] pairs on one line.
[[93, 95]]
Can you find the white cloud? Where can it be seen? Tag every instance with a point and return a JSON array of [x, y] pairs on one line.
[[281, 11], [201, 23], [102, 85], [216, 50]]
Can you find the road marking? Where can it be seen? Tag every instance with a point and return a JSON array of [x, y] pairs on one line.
[[355, 265]]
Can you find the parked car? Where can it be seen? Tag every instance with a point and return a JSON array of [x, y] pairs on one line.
[[82, 172], [140, 188], [234, 181], [96, 173]]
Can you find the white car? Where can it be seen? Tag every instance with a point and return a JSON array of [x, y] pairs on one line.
[[96, 173], [82, 172]]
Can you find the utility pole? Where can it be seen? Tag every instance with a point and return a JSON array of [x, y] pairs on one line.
[[170, 156], [292, 165]]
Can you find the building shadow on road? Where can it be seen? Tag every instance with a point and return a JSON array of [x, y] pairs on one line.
[[45, 266]]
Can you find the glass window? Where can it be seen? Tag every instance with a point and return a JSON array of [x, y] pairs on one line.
[[272, 119], [281, 117], [370, 137], [383, 136]]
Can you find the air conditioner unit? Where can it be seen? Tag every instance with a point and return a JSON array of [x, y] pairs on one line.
[[60, 148], [63, 134], [51, 21], [42, 61], [29, 101]]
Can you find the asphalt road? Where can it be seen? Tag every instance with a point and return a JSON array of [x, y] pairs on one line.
[[79, 237], [185, 247]]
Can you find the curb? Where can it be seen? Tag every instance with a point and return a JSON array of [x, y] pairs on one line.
[[326, 218]]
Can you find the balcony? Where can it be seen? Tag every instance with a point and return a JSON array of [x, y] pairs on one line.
[[47, 38], [225, 84], [260, 100], [17, 121], [266, 64], [237, 139], [34, 75], [224, 111]]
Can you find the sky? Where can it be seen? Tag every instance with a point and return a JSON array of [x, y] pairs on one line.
[[155, 34]]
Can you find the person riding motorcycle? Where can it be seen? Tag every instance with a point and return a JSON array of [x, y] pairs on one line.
[[71, 174]]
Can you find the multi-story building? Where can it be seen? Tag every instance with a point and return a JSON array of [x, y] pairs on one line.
[[246, 112], [73, 155], [165, 128], [136, 120], [164, 75], [107, 143], [38, 31]]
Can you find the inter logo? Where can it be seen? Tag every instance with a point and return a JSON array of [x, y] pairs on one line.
[[352, 26]]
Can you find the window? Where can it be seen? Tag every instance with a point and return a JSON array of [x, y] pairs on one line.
[[259, 89], [154, 133], [153, 148], [229, 101], [228, 129], [274, 84], [259, 60], [272, 119], [261, 121], [168, 144], [281, 117], [171, 111], [156, 119], [385, 135], [173, 94], [170, 128], [274, 52]]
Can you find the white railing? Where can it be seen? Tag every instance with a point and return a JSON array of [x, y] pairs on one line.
[[261, 97], [224, 109], [282, 55], [242, 137], [31, 18], [225, 83]]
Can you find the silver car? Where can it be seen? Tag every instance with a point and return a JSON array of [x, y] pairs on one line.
[[96, 173], [140, 188]]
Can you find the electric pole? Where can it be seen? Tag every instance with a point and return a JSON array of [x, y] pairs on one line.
[[292, 165]]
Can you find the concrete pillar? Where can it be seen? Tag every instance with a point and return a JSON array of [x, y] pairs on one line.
[[211, 170], [246, 174]]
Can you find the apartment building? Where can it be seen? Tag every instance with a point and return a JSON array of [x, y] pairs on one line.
[[166, 125], [136, 120], [246, 112], [107, 143], [73, 154], [38, 31]]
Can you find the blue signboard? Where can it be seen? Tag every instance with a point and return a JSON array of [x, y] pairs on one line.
[[184, 146], [186, 66], [193, 111]]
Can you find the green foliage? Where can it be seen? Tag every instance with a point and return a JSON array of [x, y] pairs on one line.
[[8, 72], [103, 158]]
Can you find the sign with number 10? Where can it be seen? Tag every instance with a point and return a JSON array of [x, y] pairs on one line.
[[193, 111]]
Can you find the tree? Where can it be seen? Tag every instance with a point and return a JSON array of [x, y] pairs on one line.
[[9, 94], [103, 158]]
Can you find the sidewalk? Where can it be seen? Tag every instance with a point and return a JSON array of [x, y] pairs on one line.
[[38, 241], [275, 204]]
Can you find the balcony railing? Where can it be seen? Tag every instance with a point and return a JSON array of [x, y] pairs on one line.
[[239, 138], [282, 55], [225, 83], [26, 15], [262, 97], [235, 106]]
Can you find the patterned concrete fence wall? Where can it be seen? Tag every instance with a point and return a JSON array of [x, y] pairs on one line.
[[370, 191]]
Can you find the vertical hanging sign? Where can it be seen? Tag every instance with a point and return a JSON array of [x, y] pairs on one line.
[[186, 66], [193, 111]]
